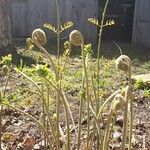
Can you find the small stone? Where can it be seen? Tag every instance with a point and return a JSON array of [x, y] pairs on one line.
[[144, 77], [36, 147], [119, 121], [116, 135]]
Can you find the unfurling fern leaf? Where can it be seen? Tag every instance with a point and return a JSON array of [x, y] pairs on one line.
[[66, 26], [50, 27], [29, 44], [96, 22]]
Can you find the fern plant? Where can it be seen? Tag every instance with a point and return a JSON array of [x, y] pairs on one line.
[[51, 77]]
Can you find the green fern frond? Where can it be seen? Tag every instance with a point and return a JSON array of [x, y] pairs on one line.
[[50, 27], [63, 27], [109, 23], [66, 26], [97, 23], [29, 44], [94, 21]]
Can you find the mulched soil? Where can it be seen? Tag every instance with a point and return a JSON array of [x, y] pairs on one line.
[[25, 135]]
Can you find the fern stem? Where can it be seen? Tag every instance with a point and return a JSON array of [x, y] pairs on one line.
[[131, 111], [57, 77], [67, 110], [87, 92], [125, 121], [106, 101], [106, 136], [99, 48], [48, 55]]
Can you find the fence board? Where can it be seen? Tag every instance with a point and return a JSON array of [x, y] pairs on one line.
[[27, 15], [141, 26], [19, 19]]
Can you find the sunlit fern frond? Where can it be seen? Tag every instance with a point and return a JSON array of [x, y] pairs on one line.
[[29, 44], [96, 22], [63, 27], [109, 23], [50, 27], [66, 26], [67, 45], [66, 52]]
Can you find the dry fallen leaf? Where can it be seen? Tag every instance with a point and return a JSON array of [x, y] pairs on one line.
[[28, 143], [9, 137]]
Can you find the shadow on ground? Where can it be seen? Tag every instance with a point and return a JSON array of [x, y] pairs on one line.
[[109, 51]]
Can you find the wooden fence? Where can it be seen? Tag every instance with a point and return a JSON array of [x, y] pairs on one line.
[[26, 15], [141, 27]]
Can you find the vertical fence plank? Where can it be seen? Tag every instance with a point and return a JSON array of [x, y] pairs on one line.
[[18, 18], [141, 26], [27, 15]]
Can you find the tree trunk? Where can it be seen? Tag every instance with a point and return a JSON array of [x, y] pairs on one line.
[[5, 36]]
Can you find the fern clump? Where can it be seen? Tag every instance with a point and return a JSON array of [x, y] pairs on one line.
[[49, 79]]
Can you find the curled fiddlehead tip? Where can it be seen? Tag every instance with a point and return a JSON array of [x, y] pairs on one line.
[[39, 36], [123, 63], [5, 70], [118, 102], [67, 45], [76, 38]]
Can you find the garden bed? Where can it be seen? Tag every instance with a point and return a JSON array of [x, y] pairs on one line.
[[22, 133]]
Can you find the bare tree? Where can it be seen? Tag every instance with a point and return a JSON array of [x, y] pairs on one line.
[[5, 36]]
